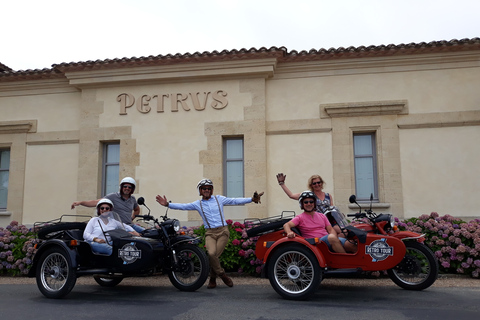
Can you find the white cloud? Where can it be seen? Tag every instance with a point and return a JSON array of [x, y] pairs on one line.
[[37, 34]]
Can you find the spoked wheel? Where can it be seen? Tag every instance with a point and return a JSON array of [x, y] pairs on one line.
[[294, 272], [192, 268], [107, 282], [418, 270], [55, 275]]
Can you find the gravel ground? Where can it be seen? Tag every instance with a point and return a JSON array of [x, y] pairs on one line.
[[448, 280]]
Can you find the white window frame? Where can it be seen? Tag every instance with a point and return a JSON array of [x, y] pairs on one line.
[[109, 164], [363, 196], [239, 189]]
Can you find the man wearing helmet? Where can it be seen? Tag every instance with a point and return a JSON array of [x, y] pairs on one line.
[[106, 220], [313, 224], [217, 233], [125, 203]]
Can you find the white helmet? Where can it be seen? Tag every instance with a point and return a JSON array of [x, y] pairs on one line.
[[202, 183], [128, 180], [104, 200]]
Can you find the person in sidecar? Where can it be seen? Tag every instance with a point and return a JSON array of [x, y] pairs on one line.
[[105, 221], [125, 203], [323, 200], [313, 224], [217, 233]]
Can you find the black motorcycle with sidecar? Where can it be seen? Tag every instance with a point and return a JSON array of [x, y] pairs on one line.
[[63, 256]]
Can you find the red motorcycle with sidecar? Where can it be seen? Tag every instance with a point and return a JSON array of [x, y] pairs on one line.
[[296, 266]]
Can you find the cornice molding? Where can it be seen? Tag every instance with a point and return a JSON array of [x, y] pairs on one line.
[[258, 68], [35, 87], [371, 108], [23, 126]]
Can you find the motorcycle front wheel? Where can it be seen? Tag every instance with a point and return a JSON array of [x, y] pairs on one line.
[[418, 270], [192, 268]]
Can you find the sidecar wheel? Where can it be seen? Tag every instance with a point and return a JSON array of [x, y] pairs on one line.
[[107, 282], [418, 270], [55, 275], [192, 269], [294, 272]]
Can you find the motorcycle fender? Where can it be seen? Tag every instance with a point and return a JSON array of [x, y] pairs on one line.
[[409, 235], [299, 240], [47, 245]]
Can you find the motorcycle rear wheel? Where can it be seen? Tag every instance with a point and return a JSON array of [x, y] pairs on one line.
[[418, 270], [192, 268]]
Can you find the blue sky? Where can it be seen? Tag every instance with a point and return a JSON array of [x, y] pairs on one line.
[[36, 34]]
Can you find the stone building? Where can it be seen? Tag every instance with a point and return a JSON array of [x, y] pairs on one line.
[[401, 122]]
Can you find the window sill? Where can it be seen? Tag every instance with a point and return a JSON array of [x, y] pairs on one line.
[[5, 213]]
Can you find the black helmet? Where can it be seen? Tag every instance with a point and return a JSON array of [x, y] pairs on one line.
[[304, 195]]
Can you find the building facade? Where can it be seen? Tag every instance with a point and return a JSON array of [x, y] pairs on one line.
[[400, 122]]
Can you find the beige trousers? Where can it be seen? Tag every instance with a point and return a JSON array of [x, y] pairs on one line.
[[216, 240]]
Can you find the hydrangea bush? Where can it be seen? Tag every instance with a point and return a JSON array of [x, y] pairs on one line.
[[16, 249], [456, 243]]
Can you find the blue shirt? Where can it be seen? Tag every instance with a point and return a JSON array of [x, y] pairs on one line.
[[212, 213]]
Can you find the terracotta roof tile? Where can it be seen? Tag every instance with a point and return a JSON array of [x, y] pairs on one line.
[[279, 53]]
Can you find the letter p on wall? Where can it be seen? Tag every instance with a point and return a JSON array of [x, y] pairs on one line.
[[126, 101]]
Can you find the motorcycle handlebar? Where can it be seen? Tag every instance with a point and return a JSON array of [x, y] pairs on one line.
[[145, 217]]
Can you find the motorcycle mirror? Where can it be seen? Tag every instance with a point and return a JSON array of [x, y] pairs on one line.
[[352, 198], [141, 201]]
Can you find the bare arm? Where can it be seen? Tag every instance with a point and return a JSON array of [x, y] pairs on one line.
[[136, 212], [287, 227], [86, 203], [331, 230], [281, 181]]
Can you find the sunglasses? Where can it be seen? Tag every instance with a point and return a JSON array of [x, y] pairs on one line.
[[317, 182], [104, 208], [308, 202], [128, 187], [207, 188]]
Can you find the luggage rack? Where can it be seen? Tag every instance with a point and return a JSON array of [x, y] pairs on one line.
[[63, 219], [259, 226]]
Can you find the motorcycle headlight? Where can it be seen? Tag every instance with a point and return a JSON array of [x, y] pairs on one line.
[[392, 221], [176, 225]]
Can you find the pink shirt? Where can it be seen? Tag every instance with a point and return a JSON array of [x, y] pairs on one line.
[[312, 226]]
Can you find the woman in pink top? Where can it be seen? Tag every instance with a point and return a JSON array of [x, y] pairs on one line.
[[313, 224]]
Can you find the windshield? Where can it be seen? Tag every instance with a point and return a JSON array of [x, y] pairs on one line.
[[335, 216], [111, 220]]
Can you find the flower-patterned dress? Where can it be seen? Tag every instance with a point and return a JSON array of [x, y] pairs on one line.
[[322, 205]]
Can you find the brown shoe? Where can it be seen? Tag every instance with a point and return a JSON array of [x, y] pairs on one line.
[[226, 280], [212, 283]]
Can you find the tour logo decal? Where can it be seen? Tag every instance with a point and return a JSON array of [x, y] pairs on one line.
[[379, 250], [129, 253]]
